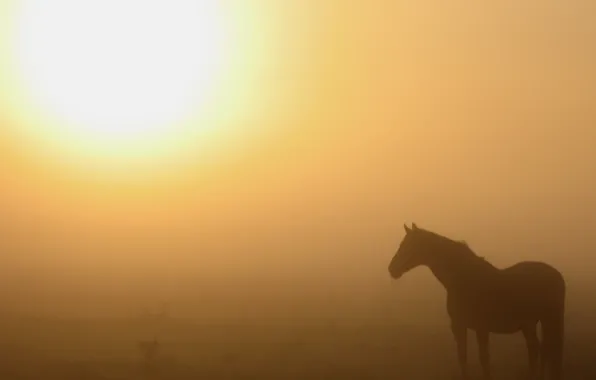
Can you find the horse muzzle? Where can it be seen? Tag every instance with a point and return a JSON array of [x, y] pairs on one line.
[[395, 274]]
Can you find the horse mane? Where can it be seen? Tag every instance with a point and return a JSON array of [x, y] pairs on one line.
[[457, 248]]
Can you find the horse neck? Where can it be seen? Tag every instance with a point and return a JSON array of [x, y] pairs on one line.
[[453, 272], [444, 274]]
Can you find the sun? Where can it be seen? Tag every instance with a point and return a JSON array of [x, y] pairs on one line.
[[118, 77]]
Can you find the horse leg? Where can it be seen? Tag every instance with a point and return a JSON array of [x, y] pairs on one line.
[[461, 335], [543, 361], [482, 339], [552, 342], [533, 345]]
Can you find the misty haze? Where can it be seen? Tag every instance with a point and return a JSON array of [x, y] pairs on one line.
[[249, 234]]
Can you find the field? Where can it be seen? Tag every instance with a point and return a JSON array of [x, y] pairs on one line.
[[259, 349]]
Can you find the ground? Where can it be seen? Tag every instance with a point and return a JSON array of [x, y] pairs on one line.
[[260, 349]]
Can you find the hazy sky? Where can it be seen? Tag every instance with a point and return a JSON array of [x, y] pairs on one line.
[[477, 120]]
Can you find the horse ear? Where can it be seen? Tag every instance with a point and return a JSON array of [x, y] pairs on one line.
[[414, 226], [408, 229]]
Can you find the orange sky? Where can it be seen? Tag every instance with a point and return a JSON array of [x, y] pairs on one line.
[[474, 120]]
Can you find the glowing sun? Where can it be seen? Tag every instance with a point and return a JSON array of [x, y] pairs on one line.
[[118, 75]]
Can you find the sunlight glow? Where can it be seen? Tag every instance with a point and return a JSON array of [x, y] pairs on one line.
[[119, 77]]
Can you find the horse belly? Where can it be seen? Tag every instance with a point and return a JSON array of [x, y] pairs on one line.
[[498, 317]]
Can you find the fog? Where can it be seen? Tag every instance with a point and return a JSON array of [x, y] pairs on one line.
[[475, 121]]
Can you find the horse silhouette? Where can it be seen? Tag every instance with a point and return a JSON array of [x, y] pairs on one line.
[[486, 299]]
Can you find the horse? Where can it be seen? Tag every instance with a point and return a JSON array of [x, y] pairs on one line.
[[487, 299]]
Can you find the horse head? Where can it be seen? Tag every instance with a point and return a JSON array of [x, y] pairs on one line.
[[413, 251]]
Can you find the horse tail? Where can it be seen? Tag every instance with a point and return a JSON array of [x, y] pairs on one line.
[[553, 335]]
